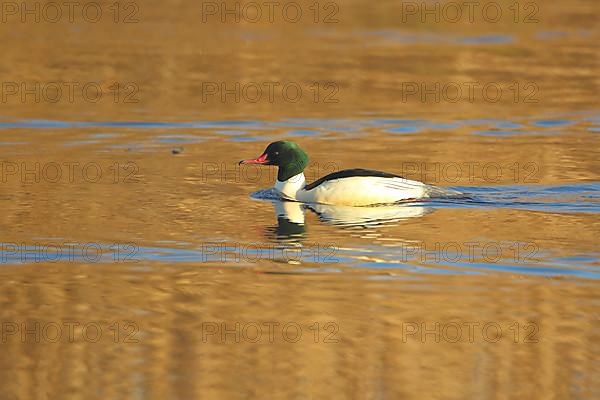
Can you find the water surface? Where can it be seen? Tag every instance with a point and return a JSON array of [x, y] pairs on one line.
[[132, 224]]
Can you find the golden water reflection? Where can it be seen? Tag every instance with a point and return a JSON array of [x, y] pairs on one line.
[[154, 186]]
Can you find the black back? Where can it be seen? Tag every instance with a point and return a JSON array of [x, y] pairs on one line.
[[349, 173]]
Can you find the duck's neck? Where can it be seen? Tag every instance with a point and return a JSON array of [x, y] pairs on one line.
[[291, 186], [294, 164]]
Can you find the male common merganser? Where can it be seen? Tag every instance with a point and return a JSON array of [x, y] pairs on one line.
[[351, 187]]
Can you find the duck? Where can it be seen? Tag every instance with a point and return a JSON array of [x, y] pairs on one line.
[[350, 187]]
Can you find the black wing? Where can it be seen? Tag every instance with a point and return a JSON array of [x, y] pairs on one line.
[[349, 173]]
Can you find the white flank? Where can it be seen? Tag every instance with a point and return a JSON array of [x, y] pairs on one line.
[[364, 191], [359, 190]]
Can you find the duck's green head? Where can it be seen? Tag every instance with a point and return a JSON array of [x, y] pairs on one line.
[[288, 156]]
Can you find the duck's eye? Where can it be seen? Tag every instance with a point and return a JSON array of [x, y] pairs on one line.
[[276, 153]]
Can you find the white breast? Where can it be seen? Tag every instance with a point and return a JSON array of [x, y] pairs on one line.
[[290, 188]]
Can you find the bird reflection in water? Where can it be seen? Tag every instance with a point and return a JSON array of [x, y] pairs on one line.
[[291, 227]]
